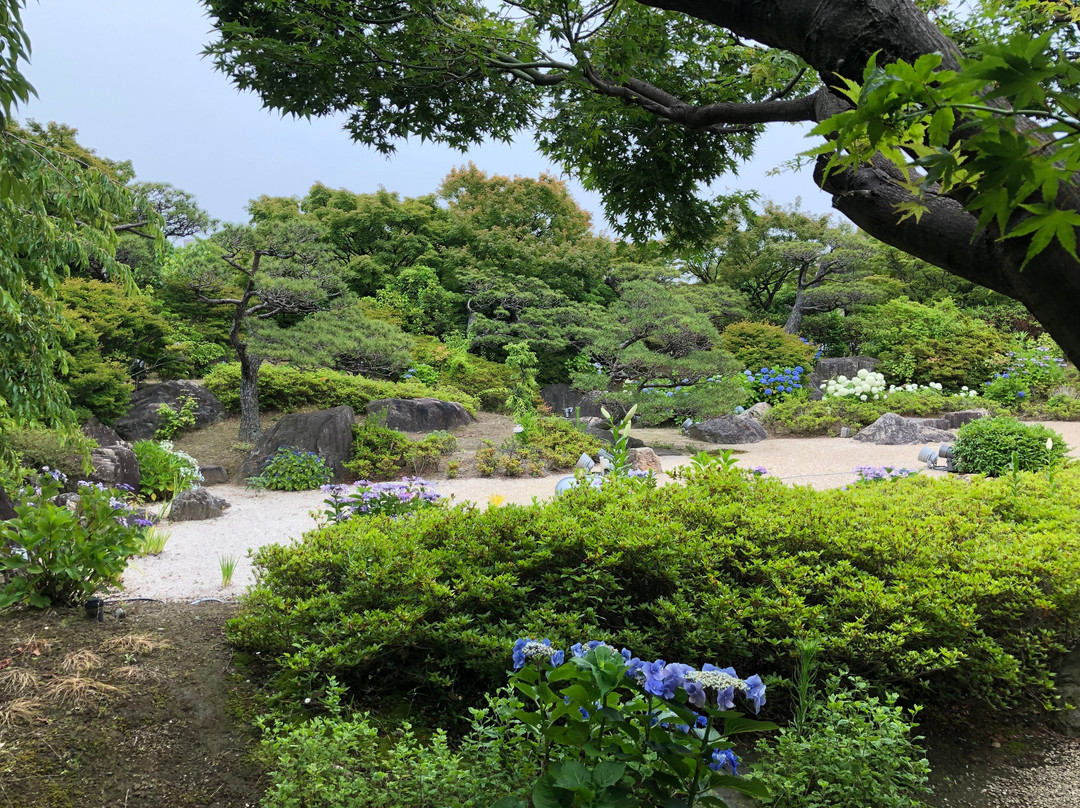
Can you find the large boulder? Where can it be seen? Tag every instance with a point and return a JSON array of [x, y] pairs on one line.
[[645, 459], [728, 429], [955, 420], [101, 434], [756, 411], [420, 414], [561, 397], [892, 430], [832, 366], [115, 466], [195, 504], [327, 433], [142, 420]]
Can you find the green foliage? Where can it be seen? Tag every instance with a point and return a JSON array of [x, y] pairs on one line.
[[290, 469], [163, 471], [560, 443], [171, 422], [854, 750], [345, 339], [305, 761], [969, 602], [381, 453], [38, 447], [188, 351], [287, 389], [827, 416], [923, 344], [987, 445], [760, 345], [521, 362], [1031, 372], [602, 735], [58, 556]]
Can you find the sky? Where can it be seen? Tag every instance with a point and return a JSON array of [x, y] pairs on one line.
[[128, 76]]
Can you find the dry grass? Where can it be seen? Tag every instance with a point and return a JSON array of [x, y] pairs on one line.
[[133, 644], [137, 673], [32, 646], [81, 661], [17, 682], [75, 691], [20, 710]]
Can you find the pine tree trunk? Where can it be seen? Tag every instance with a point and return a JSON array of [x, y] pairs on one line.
[[794, 320], [250, 425]]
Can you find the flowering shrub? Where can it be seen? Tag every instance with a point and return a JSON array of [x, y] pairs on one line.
[[775, 385], [163, 471], [605, 726], [865, 385], [378, 499], [873, 474], [56, 555], [292, 469], [1031, 373]]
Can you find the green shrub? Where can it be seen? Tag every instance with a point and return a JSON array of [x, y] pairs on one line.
[[1032, 372], [560, 443], [969, 601], [38, 447], [493, 399], [760, 345], [986, 446], [163, 471], [827, 416], [340, 761], [287, 389], [856, 750], [381, 453], [170, 421], [291, 469], [97, 385], [477, 374], [52, 555], [924, 344], [1055, 408]]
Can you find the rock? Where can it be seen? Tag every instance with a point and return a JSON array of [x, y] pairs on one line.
[[67, 500], [756, 411], [1067, 682], [645, 459], [420, 414], [115, 466], [597, 427], [561, 396], [195, 504], [327, 433], [103, 435], [955, 420], [213, 475], [728, 429], [829, 367], [141, 421], [7, 507], [892, 429]]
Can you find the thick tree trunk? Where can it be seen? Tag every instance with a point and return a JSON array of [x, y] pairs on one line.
[[838, 37], [794, 320], [250, 423]]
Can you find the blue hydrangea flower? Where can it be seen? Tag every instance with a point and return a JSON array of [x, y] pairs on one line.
[[527, 649], [755, 692], [722, 758]]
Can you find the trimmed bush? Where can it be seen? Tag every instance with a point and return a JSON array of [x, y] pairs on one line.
[[827, 416], [760, 345], [986, 446], [287, 389], [970, 601]]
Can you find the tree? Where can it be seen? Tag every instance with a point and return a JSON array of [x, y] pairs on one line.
[[273, 268], [949, 145], [45, 228]]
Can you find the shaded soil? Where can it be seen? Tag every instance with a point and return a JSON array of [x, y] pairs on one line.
[[146, 710]]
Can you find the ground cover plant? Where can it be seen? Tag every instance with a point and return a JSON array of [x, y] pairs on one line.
[[969, 602], [292, 469], [288, 389]]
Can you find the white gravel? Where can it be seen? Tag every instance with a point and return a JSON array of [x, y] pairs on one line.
[[189, 566]]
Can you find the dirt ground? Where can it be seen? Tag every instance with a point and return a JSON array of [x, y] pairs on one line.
[[143, 710]]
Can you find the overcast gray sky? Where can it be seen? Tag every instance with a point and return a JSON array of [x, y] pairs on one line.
[[127, 74]]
